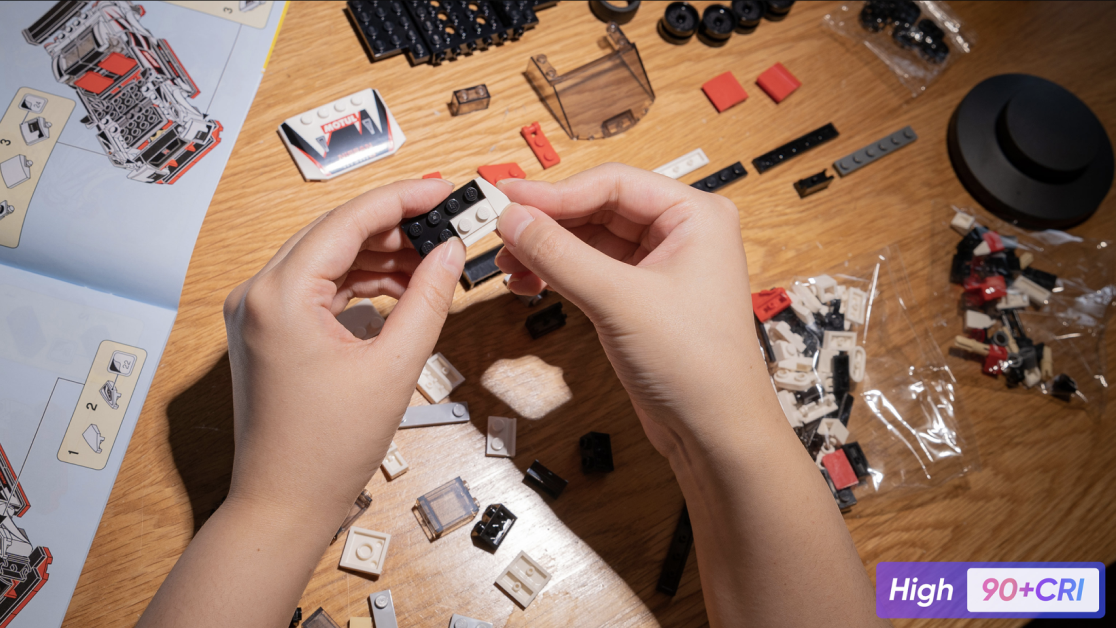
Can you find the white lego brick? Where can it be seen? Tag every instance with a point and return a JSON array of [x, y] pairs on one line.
[[797, 364], [460, 621], [839, 293], [783, 331], [832, 428], [839, 340], [1036, 293], [825, 287], [982, 249], [323, 145], [855, 305], [1046, 362], [383, 609], [802, 291], [438, 378], [501, 437], [1031, 377], [684, 165], [962, 223], [794, 380], [783, 350], [479, 219], [977, 320], [435, 414], [394, 464], [790, 407], [362, 319], [825, 361], [360, 622], [523, 579], [1013, 300], [858, 362], [819, 408], [799, 308], [365, 551]]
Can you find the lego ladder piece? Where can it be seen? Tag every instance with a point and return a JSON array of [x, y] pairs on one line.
[[541, 146], [794, 148], [877, 150]]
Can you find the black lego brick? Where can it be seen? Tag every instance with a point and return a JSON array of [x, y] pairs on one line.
[[434, 31], [679, 552], [432, 228], [494, 525], [596, 452], [810, 185], [545, 479], [546, 320], [794, 148], [856, 458], [481, 268], [717, 181]]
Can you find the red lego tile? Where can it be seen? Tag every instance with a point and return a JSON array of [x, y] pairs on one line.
[[433, 175], [768, 303], [498, 172], [540, 145], [993, 240], [724, 91], [840, 471], [978, 335], [993, 362], [778, 82]]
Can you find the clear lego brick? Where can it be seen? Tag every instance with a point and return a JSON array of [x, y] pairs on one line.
[[445, 508], [469, 100]]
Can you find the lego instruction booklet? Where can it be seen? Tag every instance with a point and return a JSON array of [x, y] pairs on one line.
[[118, 119]]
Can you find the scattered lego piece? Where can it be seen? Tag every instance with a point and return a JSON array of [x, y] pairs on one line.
[[470, 99], [724, 91], [679, 23], [1045, 280], [812, 184], [340, 136], [365, 551], [970, 345], [383, 609], [499, 172], [500, 441], [319, 619], [363, 501], [977, 320], [481, 268], [460, 621], [432, 175], [839, 340], [684, 165], [994, 361], [717, 181], [881, 148], [360, 622], [859, 364], [1013, 300], [768, 303], [716, 26], [394, 464], [445, 508], [494, 525], [778, 82], [855, 305], [835, 431], [545, 479], [961, 223], [435, 414], [523, 579], [840, 472], [438, 378], [296, 618], [546, 320], [794, 148], [1063, 387], [748, 14], [596, 452], [1035, 293], [675, 564], [613, 11], [469, 212], [417, 30], [536, 139], [855, 456], [1047, 362]]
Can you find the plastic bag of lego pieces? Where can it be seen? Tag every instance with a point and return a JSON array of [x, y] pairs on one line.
[[862, 382], [917, 40], [1022, 310]]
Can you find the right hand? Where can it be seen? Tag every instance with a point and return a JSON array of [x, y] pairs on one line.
[[659, 268]]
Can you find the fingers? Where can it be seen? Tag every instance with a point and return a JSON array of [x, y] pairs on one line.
[[366, 285], [329, 249], [413, 327], [637, 195], [405, 261], [526, 283], [555, 255]]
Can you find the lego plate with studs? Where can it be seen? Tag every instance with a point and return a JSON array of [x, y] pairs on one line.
[[874, 409], [1025, 309]]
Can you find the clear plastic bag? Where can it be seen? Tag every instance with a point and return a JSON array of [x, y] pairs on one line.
[[917, 40], [905, 415], [1070, 320]]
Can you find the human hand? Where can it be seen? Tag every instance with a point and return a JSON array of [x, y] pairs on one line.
[[659, 268], [315, 407]]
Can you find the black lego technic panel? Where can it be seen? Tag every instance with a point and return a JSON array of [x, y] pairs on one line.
[[432, 228], [795, 148], [435, 31]]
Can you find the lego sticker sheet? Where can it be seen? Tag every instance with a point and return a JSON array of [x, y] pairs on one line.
[[117, 121]]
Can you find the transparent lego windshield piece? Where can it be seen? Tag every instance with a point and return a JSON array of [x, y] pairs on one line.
[[600, 99], [320, 619], [355, 511], [445, 508]]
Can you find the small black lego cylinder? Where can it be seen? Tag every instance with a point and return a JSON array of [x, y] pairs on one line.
[[717, 24], [679, 23]]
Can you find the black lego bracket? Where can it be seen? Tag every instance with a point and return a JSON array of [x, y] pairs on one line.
[[433, 31]]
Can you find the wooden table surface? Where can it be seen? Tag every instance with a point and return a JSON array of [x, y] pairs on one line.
[[1048, 475]]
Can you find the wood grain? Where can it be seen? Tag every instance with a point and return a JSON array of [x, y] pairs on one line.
[[1045, 489]]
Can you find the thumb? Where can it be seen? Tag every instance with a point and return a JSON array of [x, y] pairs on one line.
[[412, 329], [578, 271]]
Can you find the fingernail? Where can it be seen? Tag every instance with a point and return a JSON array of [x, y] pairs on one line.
[[503, 182], [453, 255], [512, 223], [446, 181]]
